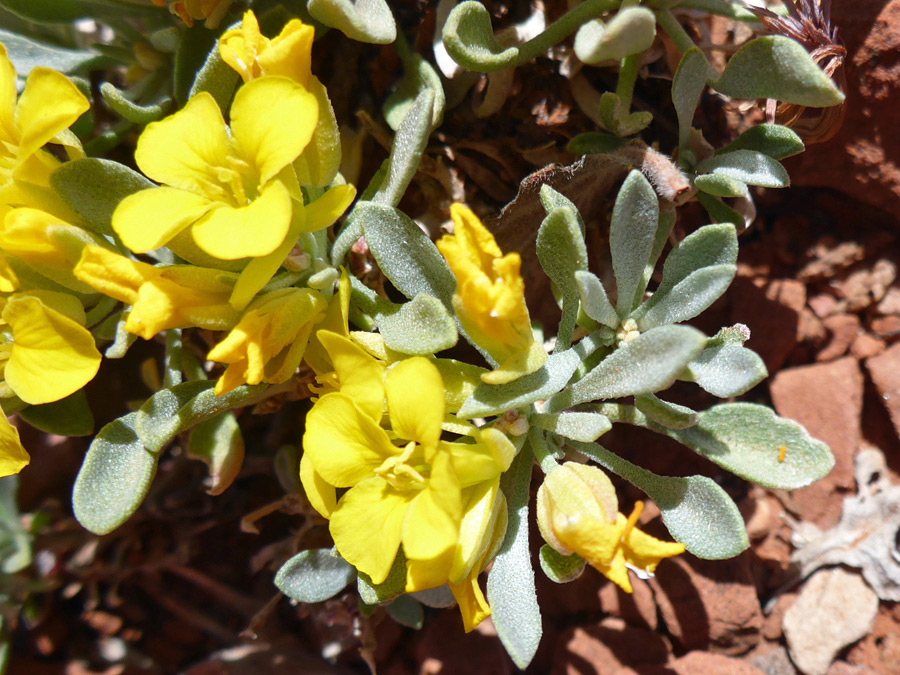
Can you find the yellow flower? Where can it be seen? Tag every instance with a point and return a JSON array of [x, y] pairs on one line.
[[189, 11], [288, 54], [48, 353], [577, 512], [232, 192], [490, 297], [49, 104], [268, 343], [176, 296], [13, 457], [47, 244], [407, 486]]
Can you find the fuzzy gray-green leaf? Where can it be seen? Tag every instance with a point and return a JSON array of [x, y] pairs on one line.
[[687, 86], [632, 232], [578, 426], [665, 413], [405, 254], [493, 399], [562, 253], [407, 149], [27, 54], [128, 109], [314, 576], [727, 370], [747, 166], [720, 185], [630, 31], [510, 585], [114, 477], [469, 39], [559, 568], [70, 416], [777, 67], [362, 20], [695, 274], [594, 301], [93, 188], [418, 75], [775, 140], [746, 439], [421, 326], [648, 364]]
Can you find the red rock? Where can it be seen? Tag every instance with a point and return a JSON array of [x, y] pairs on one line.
[[890, 303], [844, 668], [822, 304], [704, 663], [887, 327], [866, 346], [709, 604], [637, 608], [810, 328], [446, 649], [826, 398], [772, 314], [773, 662], [843, 329], [863, 159], [884, 370], [880, 649], [772, 629], [606, 647]]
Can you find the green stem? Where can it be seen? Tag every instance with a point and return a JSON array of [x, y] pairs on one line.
[[628, 72], [542, 453], [728, 9], [674, 30]]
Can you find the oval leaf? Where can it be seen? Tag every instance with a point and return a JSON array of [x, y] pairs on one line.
[[70, 416], [218, 443], [747, 166], [559, 568], [114, 478], [422, 326], [314, 576], [728, 370], [774, 140], [631, 236], [630, 31], [747, 439], [562, 253], [687, 87], [407, 149], [362, 20]]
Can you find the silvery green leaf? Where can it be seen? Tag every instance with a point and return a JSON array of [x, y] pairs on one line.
[[114, 477], [70, 416], [631, 236], [348, 236], [216, 77], [696, 511], [193, 49], [421, 326], [616, 118], [27, 54], [594, 143], [695, 274], [407, 611], [562, 253], [405, 254], [128, 109], [438, 598], [747, 166], [469, 39], [314, 576], [647, 364], [775, 140], [493, 399], [551, 199], [578, 426], [559, 568], [727, 370], [393, 586], [49, 11], [594, 301], [510, 584], [407, 149], [665, 413], [361, 20], [777, 67], [687, 86], [631, 31], [720, 185], [746, 439], [418, 75], [718, 211], [93, 188]]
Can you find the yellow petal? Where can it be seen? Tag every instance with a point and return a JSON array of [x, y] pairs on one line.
[[185, 150], [415, 398], [272, 121], [431, 526], [472, 604], [483, 460], [335, 321], [366, 526], [321, 495], [52, 356], [254, 230], [49, 104], [238, 47], [7, 98], [325, 211], [8, 279], [518, 365], [484, 506], [148, 219], [112, 274], [289, 54], [344, 444], [361, 376], [13, 457]]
